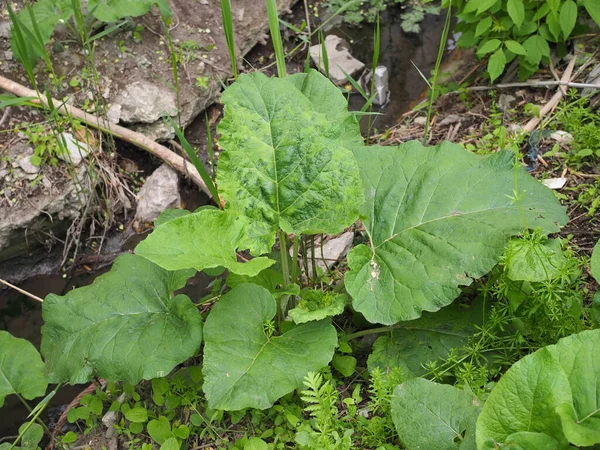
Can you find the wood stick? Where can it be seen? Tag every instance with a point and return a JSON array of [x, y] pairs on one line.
[[12, 286], [139, 140], [535, 83], [556, 98]]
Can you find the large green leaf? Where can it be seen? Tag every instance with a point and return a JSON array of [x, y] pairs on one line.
[[21, 368], [244, 366], [595, 262], [287, 161], [578, 358], [529, 260], [125, 326], [113, 10], [428, 338], [202, 240], [525, 399], [555, 391], [433, 416], [437, 217], [47, 14]]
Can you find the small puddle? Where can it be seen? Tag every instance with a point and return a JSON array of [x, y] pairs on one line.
[[397, 51]]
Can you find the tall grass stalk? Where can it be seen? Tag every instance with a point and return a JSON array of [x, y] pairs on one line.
[[174, 66], [323, 56], [209, 144], [374, 63], [317, 29], [196, 161], [229, 34], [436, 70], [276, 37]]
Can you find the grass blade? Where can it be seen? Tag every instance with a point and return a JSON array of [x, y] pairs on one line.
[[276, 37], [196, 161], [323, 55], [229, 34], [209, 143], [436, 70]]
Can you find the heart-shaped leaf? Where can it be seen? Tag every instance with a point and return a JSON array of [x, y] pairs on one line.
[[287, 161], [578, 357], [21, 368], [124, 327], [202, 240], [245, 366], [554, 391], [437, 217], [433, 416]]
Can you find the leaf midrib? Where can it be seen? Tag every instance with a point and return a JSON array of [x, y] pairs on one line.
[[393, 236]]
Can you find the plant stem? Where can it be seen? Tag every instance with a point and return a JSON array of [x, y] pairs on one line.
[[313, 259], [297, 240], [436, 70], [370, 331], [30, 410], [284, 257]]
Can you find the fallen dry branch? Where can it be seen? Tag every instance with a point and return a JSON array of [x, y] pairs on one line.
[[556, 98], [535, 83], [139, 140]]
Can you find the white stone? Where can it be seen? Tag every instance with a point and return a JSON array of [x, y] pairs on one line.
[[145, 102], [76, 151], [8, 55], [339, 58], [114, 113], [562, 137], [159, 192], [555, 183]]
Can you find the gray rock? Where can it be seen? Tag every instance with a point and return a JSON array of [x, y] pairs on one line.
[[159, 192], [76, 151], [145, 102], [44, 211], [339, 58], [5, 29], [592, 78], [27, 166], [334, 250], [449, 120], [504, 101], [8, 55], [420, 121]]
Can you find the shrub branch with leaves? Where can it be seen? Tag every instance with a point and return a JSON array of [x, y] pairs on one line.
[[506, 30]]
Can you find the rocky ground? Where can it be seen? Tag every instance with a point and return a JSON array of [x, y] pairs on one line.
[[135, 88]]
